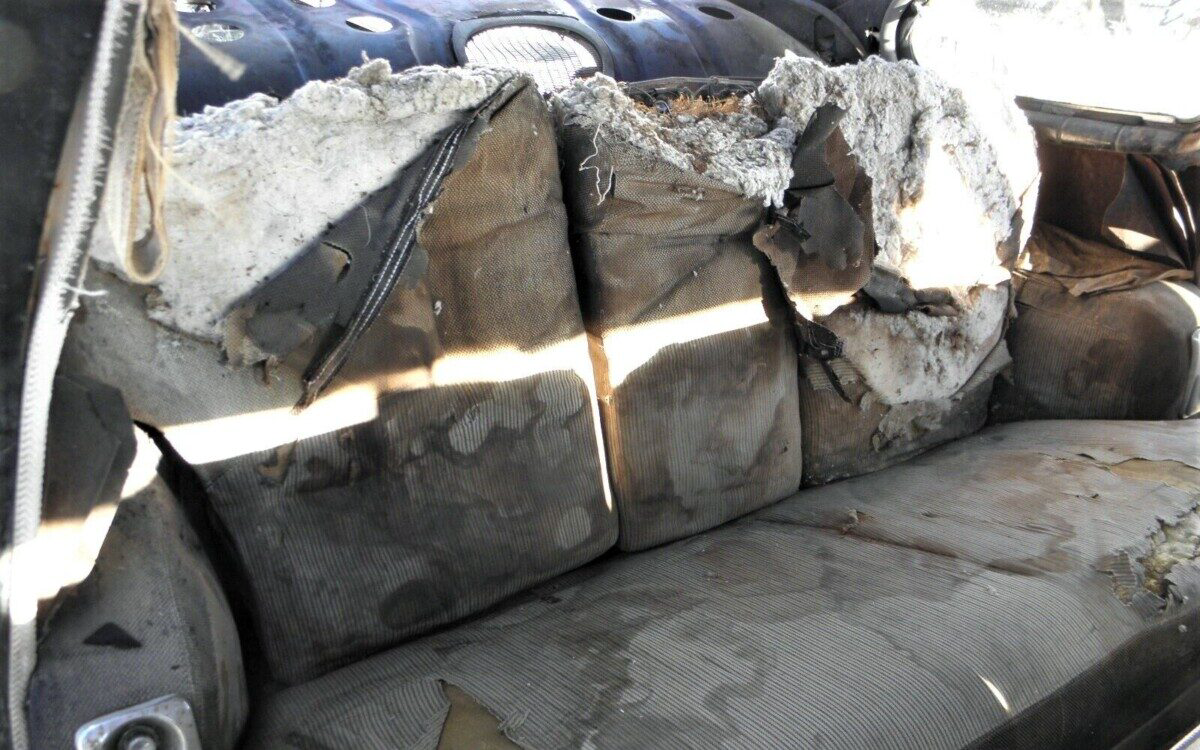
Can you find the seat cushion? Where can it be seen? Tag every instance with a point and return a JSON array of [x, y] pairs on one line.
[[988, 592], [1121, 354]]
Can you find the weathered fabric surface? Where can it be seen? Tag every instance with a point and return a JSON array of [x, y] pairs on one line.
[[1125, 201], [453, 458], [151, 620], [481, 473], [961, 597], [1112, 355], [693, 350], [1087, 266]]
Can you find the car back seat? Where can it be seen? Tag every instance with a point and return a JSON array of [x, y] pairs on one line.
[[948, 600]]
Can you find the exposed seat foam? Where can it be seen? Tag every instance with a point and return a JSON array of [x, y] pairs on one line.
[[959, 598]]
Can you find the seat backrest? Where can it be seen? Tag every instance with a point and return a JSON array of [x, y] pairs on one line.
[[407, 426], [422, 439], [691, 343]]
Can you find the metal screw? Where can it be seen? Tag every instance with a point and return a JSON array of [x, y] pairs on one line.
[[139, 738]]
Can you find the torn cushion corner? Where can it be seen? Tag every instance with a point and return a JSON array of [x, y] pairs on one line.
[[821, 242], [678, 300], [262, 178], [952, 178], [714, 131], [907, 382]]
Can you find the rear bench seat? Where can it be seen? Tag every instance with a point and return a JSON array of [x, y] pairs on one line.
[[991, 592], [978, 594]]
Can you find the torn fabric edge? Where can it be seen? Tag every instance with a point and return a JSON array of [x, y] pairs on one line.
[[447, 156], [915, 135]]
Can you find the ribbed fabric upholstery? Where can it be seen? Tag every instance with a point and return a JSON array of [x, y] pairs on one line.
[[1111, 355], [694, 355], [958, 598], [469, 484]]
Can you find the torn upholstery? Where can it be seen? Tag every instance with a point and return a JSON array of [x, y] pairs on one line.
[[924, 338], [950, 179]]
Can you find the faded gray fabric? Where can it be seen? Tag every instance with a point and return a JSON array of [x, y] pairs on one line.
[[693, 350], [151, 620], [941, 602], [1112, 355]]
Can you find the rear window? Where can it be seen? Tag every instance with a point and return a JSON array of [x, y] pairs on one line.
[[1127, 55]]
